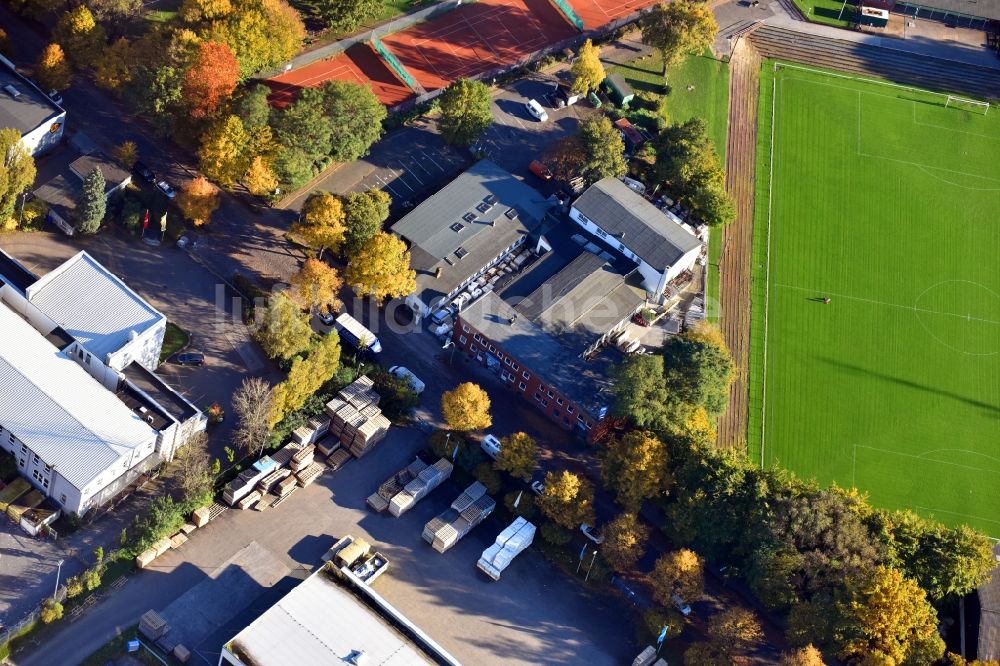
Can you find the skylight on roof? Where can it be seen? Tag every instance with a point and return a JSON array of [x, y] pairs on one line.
[[461, 252], [469, 217], [483, 207], [458, 226], [511, 213], [490, 199]]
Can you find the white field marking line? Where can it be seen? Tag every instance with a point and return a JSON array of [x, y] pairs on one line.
[[964, 515], [386, 185], [928, 171], [399, 178], [410, 171], [913, 308], [975, 453], [767, 273], [861, 79], [948, 129], [980, 470]]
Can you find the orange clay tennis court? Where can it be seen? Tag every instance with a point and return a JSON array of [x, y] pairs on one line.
[[476, 38], [598, 13], [358, 64]]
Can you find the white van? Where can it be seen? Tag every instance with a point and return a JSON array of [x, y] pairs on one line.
[[491, 446], [536, 110]]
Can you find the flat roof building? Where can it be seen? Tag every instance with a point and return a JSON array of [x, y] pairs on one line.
[[62, 192], [332, 618], [28, 110], [467, 227]]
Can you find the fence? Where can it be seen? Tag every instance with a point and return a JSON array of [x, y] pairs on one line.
[[569, 13], [395, 65], [28, 621]]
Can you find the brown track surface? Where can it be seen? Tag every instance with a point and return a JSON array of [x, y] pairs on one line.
[[734, 265], [358, 64]]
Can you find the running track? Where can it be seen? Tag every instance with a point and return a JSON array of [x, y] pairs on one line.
[[358, 64]]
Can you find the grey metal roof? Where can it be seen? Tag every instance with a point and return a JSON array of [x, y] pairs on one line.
[[29, 109], [14, 273], [55, 407], [569, 311], [989, 9], [438, 231], [113, 174], [320, 622], [636, 223], [93, 305]]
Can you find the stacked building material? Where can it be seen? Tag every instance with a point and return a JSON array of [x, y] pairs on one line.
[[338, 459], [152, 626], [248, 500], [302, 458], [285, 487], [265, 484], [283, 456], [414, 491], [355, 419], [514, 539], [379, 500], [245, 483], [327, 445], [312, 431], [368, 434], [468, 510], [309, 474]]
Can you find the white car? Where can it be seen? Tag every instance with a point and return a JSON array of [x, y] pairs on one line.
[[591, 534], [164, 187], [402, 373], [538, 487], [679, 604], [490, 446], [536, 110]]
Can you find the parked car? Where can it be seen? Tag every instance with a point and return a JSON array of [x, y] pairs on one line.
[[144, 172], [441, 315], [537, 487], [164, 187], [490, 446], [536, 110], [190, 358], [540, 170], [327, 317], [679, 604], [56, 97], [592, 534], [402, 373]]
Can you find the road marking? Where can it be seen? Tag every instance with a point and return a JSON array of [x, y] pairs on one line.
[[410, 172], [386, 185], [417, 162], [399, 179], [432, 161]]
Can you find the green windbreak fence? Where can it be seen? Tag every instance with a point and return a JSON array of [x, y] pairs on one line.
[[394, 63], [569, 13]]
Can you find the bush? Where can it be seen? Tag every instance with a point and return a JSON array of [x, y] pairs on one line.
[[646, 99], [525, 508], [74, 587], [52, 610], [92, 579], [397, 395], [489, 477], [655, 619], [557, 535]]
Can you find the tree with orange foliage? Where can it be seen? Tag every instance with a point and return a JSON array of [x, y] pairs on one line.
[[211, 78], [52, 70], [198, 199]]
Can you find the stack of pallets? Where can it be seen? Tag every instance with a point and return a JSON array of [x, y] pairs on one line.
[[284, 455], [414, 491], [379, 500], [468, 510], [302, 458], [265, 484], [152, 626], [338, 459], [355, 418], [309, 474]]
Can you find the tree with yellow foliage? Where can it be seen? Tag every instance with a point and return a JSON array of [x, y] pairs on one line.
[[807, 656], [382, 269], [466, 407], [567, 500], [624, 542], [223, 153], [682, 573], [260, 179], [635, 467], [305, 377], [315, 286], [587, 70], [52, 70], [518, 455], [80, 36], [197, 200], [127, 153], [114, 68], [321, 225]]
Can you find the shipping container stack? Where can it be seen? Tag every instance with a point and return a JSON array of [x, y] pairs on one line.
[[470, 508], [426, 481]]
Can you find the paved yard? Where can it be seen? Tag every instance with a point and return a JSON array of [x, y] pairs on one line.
[[28, 568]]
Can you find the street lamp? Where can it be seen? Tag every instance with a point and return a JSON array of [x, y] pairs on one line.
[[451, 357], [58, 571]]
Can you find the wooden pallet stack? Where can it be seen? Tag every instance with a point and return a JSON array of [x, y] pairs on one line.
[[268, 482], [302, 458], [310, 473], [355, 420], [379, 500]]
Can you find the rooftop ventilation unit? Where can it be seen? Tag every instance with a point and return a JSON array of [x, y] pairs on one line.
[[458, 226], [469, 217], [12, 91]]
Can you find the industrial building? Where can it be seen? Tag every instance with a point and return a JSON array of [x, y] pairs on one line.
[[26, 108]]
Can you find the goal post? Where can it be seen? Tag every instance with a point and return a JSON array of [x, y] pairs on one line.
[[966, 104]]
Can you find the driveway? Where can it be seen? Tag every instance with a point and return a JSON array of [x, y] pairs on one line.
[[28, 570]]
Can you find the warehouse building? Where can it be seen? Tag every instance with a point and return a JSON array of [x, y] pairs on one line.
[[28, 110]]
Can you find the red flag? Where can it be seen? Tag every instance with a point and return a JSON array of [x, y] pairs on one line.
[[145, 220]]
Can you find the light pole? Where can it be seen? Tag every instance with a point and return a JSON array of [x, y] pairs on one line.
[[451, 357], [58, 571], [587, 577]]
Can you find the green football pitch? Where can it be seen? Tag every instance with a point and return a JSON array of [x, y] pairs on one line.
[[885, 200]]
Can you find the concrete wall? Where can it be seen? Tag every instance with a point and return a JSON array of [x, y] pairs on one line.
[[145, 349], [42, 138]]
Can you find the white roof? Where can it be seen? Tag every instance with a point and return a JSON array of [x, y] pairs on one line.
[[92, 305], [319, 623], [55, 407]]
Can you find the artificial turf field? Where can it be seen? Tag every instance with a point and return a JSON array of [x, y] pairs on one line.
[[886, 202]]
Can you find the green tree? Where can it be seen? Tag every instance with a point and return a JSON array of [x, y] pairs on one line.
[[80, 35], [635, 468], [466, 407], [282, 329], [567, 500], [52, 70], [52, 610], [518, 455], [679, 28], [17, 171], [687, 162], [355, 117], [887, 617], [365, 212], [223, 155], [587, 70], [640, 393], [772, 575], [194, 470], [697, 369], [466, 111], [565, 158], [252, 107], [624, 542], [680, 572], [293, 166], [489, 477], [382, 269], [603, 148], [306, 377], [321, 226], [93, 204], [115, 11], [345, 16], [304, 126]]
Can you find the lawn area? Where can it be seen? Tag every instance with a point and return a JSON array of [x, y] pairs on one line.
[[827, 11], [173, 341], [117, 648], [883, 200]]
